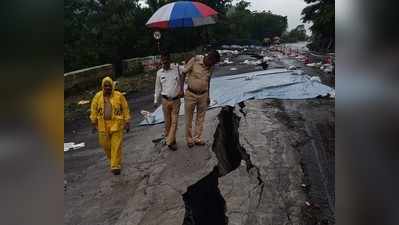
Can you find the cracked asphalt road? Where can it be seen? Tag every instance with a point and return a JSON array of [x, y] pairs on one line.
[[277, 135]]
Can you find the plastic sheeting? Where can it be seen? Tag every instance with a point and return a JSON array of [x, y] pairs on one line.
[[72, 146], [272, 84]]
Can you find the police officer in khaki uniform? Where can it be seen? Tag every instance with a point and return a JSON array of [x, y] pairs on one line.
[[167, 86], [198, 72]]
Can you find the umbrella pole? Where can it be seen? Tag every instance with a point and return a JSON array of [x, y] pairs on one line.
[[207, 35], [185, 40]]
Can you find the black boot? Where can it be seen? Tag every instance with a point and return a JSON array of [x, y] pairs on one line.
[[116, 171]]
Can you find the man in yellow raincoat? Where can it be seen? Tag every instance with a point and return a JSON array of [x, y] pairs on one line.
[[110, 116]]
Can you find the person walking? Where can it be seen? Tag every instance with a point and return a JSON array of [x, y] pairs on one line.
[[109, 116]]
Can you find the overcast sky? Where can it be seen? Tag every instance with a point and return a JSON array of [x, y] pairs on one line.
[[290, 8]]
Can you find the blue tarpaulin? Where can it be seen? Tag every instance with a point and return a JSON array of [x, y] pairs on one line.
[[266, 84]]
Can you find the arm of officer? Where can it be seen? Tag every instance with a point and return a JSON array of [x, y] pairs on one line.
[[188, 67], [157, 89], [182, 77], [209, 90], [182, 80]]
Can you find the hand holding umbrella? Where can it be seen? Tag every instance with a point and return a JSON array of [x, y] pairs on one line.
[[181, 14]]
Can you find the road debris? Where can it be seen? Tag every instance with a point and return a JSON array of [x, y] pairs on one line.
[[315, 78], [72, 146], [235, 52], [267, 59], [327, 68], [83, 102], [149, 117], [252, 62], [226, 61]]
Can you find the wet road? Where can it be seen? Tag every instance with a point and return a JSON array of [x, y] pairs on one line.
[[288, 143]]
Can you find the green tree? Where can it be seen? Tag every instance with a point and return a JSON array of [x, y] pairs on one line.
[[79, 35], [244, 26], [98, 32], [106, 31], [221, 6], [322, 14], [295, 35], [242, 6], [156, 4]]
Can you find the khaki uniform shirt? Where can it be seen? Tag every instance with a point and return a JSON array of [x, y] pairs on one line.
[[197, 74]]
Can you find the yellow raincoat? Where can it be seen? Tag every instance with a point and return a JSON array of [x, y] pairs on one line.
[[110, 131]]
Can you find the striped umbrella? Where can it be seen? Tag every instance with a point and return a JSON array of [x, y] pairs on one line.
[[182, 14]]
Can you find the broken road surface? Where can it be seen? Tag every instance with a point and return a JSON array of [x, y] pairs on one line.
[[251, 171]]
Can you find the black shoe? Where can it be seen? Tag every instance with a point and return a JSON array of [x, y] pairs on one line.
[[172, 147], [190, 145], [116, 171], [200, 143]]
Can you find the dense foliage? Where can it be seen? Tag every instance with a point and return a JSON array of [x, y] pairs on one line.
[[322, 14], [295, 35], [106, 31]]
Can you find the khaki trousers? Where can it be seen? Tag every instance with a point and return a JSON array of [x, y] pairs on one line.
[[170, 114], [112, 145], [192, 102]]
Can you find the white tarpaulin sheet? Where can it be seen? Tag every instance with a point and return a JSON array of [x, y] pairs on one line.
[[273, 83]]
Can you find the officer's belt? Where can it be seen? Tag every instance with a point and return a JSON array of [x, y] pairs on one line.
[[196, 92], [169, 98]]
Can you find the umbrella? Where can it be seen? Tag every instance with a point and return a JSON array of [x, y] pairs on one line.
[[182, 14]]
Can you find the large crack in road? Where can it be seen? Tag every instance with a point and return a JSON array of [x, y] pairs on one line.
[[204, 203], [262, 157]]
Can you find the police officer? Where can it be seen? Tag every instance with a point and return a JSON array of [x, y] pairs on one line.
[[198, 71], [167, 86]]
